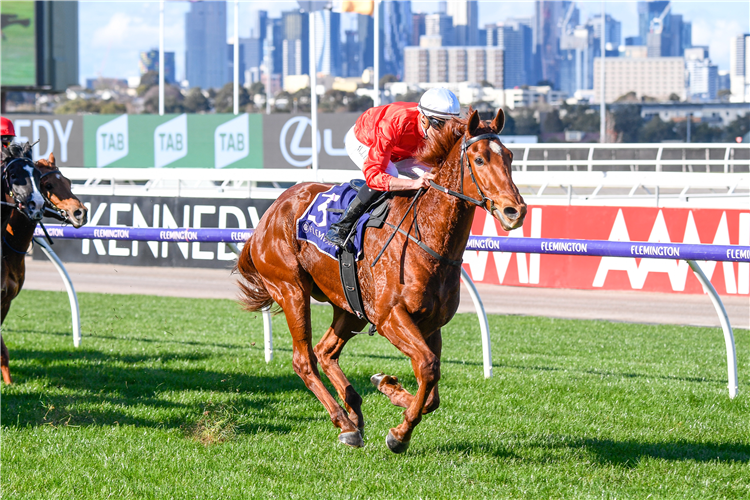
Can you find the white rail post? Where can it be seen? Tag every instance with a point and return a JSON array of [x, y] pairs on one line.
[[75, 312], [161, 58], [267, 325], [236, 59], [484, 325], [602, 106], [725, 326], [313, 96], [376, 59]]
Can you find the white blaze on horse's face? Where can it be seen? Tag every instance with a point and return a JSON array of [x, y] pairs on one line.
[[35, 203], [496, 148]]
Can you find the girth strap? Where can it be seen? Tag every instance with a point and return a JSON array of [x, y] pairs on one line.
[[427, 249]]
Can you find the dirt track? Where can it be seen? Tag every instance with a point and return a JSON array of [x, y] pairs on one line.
[[632, 307]]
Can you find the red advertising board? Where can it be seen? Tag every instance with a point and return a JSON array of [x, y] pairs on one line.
[[658, 225]]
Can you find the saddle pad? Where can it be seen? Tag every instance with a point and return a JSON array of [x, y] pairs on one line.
[[327, 208]]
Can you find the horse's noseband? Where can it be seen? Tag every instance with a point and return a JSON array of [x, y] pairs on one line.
[[465, 147]]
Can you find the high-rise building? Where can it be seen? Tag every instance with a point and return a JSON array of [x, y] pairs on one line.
[[205, 44], [366, 38], [295, 44], [350, 63], [612, 32], [440, 25], [454, 65], [577, 64], [230, 62], [328, 42], [150, 62], [273, 46], [465, 14], [702, 76], [549, 17], [655, 77], [739, 57], [663, 32], [253, 52], [395, 35], [417, 27], [647, 13]]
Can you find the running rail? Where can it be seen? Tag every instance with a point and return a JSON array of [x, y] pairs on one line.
[[688, 252]]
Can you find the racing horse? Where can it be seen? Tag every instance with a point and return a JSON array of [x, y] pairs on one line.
[[409, 294], [20, 184], [62, 204]]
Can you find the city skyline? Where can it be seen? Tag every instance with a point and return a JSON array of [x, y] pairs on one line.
[[130, 27]]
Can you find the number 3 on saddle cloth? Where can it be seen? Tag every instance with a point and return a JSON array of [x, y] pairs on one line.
[[327, 208]]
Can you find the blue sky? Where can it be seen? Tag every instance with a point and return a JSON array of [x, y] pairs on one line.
[[113, 33]]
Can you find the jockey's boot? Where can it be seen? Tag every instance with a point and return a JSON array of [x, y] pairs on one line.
[[340, 230]]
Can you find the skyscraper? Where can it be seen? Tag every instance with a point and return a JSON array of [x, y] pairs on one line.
[[613, 30], [150, 62], [440, 25], [549, 17], [465, 14], [739, 52], [366, 38], [206, 44], [328, 42], [417, 27], [395, 34], [295, 44]]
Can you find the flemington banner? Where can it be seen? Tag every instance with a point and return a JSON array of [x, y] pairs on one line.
[[666, 225]]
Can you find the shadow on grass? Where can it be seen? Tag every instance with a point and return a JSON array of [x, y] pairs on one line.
[[625, 453], [112, 389]]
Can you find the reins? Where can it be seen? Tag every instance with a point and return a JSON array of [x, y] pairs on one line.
[[480, 203]]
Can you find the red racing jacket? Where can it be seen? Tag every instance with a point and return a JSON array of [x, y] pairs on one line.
[[393, 133]]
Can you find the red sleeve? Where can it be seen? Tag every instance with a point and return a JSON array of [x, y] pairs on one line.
[[379, 157]]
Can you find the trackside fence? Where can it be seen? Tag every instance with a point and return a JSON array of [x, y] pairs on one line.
[[595, 248]]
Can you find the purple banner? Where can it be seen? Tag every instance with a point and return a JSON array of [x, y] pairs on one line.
[[595, 248]]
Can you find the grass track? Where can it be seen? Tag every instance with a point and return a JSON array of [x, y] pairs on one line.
[[169, 398]]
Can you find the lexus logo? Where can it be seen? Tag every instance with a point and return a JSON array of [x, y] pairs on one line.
[[292, 150]]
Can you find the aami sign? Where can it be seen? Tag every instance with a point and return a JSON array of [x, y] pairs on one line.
[[724, 227]]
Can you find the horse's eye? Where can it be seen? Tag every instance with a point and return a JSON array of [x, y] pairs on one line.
[[479, 161], [48, 186]]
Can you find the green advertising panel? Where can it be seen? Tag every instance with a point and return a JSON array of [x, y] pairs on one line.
[[18, 45], [173, 141]]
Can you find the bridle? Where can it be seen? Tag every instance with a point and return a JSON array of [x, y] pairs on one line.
[[480, 203], [9, 185], [464, 147]]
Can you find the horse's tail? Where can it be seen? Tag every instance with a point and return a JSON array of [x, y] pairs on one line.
[[254, 295]]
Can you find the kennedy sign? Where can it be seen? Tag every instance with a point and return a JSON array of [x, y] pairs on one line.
[[58, 134], [287, 141]]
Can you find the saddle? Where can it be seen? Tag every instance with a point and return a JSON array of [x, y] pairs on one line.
[[347, 257]]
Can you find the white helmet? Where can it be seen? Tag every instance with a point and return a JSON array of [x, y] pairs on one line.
[[440, 103]]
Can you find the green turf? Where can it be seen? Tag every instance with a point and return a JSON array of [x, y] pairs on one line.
[[171, 398]]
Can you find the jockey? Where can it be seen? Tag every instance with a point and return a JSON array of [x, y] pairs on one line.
[[7, 131], [383, 143]]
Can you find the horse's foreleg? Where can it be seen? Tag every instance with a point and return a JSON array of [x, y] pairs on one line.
[[399, 396], [401, 331], [4, 356], [4, 362], [328, 350], [296, 306]]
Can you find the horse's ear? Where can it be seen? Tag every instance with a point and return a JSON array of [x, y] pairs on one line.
[[499, 122], [473, 124], [51, 158]]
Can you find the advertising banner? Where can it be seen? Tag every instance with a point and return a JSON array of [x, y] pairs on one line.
[[18, 62], [174, 141], [287, 141], [721, 227], [58, 134], [138, 211]]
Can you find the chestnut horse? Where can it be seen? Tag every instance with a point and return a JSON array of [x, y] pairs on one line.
[[409, 294], [19, 231]]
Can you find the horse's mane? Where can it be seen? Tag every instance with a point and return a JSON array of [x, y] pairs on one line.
[[16, 150], [438, 146]]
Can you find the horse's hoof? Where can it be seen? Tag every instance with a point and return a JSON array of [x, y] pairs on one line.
[[377, 378], [395, 445], [353, 439]]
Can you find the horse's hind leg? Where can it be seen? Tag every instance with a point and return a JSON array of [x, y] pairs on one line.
[[328, 350], [399, 396], [295, 303]]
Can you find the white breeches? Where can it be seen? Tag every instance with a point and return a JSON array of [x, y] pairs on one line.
[[358, 152]]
